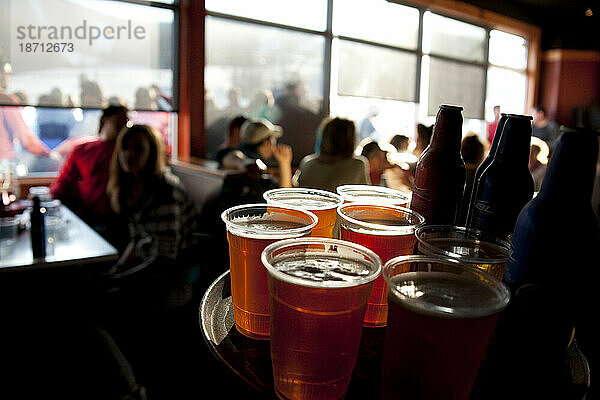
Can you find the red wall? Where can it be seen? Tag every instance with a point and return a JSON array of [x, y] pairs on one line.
[[568, 79]]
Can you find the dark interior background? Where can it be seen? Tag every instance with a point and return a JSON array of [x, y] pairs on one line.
[[563, 22]]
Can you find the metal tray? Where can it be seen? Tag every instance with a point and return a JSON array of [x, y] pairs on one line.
[[251, 359]]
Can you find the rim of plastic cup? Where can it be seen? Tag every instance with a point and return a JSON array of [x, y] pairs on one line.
[[440, 311], [318, 192], [353, 249], [391, 193], [381, 229], [266, 233], [498, 242]]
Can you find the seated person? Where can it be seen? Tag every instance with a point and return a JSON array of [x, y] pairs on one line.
[[81, 184], [233, 137], [400, 142], [259, 142], [423, 138], [472, 151], [336, 163], [378, 161], [161, 220]]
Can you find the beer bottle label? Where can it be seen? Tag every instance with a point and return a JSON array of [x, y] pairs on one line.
[[483, 214]]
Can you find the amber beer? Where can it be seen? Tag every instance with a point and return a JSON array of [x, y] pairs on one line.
[[319, 289], [469, 246], [435, 342], [321, 202], [370, 194], [251, 228], [389, 232]]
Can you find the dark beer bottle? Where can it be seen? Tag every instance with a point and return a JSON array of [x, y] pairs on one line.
[[505, 185], [440, 172], [469, 190], [552, 274], [37, 230]]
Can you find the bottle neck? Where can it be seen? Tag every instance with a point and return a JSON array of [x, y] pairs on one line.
[[497, 135], [515, 142], [447, 131]]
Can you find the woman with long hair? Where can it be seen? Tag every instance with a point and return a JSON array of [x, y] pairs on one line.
[[160, 218], [335, 164]]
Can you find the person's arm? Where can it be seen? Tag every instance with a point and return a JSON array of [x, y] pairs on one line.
[[283, 155], [18, 127], [65, 186]]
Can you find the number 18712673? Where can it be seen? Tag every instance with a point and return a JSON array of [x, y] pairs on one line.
[[41, 47]]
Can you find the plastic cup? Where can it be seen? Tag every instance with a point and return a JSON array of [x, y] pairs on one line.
[[251, 228], [319, 289], [469, 246], [8, 235], [389, 232], [441, 316], [370, 194], [321, 202]]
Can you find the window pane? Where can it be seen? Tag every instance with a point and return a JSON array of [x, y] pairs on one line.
[[83, 53], [507, 89], [389, 117], [249, 67], [378, 21], [371, 71], [458, 84], [309, 14], [508, 50], [29, 133], [452, 38]]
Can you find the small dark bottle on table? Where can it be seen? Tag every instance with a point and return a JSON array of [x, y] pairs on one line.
[[503, 186], [440, 172], [37, 231]]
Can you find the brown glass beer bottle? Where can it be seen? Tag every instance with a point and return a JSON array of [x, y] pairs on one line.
[[440, 172]]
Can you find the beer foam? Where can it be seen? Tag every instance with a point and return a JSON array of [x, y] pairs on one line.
[[307, 203], [443, 294], [323, 269], [259, 227]]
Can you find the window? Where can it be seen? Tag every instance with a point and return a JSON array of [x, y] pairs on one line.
[[454, 68], [374, 66], [377, 61], [250, 68], [507, 80], [65, 60]]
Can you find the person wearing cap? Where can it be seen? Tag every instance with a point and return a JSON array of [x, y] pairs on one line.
[[259, 142]]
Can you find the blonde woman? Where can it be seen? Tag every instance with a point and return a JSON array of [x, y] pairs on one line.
[[336, 163], [160, 217]]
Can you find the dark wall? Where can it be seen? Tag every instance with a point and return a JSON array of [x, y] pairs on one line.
[[563, 22]]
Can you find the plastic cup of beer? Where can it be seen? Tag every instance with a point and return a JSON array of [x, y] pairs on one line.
[[321, 202], [441, 316], [251, 228], [319, 289], [389, 232], [373, 194], [469, 246]]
